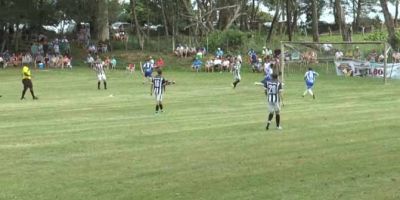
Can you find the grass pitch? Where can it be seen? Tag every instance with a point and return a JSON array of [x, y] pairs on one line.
[[77, 142]]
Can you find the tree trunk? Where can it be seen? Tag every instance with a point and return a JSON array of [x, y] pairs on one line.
[[340, 20], [396, 13], [102, 28], [288, 20], [139, 33], [357, 20], [389, 25], [165, 21], [315, 20], [273, 23]]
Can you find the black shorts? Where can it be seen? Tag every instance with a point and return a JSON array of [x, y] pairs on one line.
[[27, 83]]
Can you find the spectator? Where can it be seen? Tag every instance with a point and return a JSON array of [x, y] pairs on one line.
[[113, 62], [90, 60], [196, 65], [219, 53], [160, 63], [66, 62]]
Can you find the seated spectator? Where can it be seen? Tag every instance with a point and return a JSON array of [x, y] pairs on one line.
[[92, 49], [196, 65], [90, 60], [27, 59], [131, 68], [209, 67], [15, 60], [66, 62], [38, 59]]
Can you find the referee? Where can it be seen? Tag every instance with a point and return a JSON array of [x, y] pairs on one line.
[[27, 82]]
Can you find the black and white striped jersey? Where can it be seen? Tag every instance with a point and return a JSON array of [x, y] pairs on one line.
[[272, 90], [158, 84]]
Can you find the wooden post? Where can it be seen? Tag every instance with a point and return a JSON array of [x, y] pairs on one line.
[[385, 64], [282, 60]]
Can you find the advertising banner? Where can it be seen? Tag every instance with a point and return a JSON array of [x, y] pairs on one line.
[[359, 68]]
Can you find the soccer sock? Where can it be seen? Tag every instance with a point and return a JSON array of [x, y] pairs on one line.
[[305, 92], [98, 85], [157, 107], [105, 85], [311, 92], [278, 119], [270, 116], [161, 106]]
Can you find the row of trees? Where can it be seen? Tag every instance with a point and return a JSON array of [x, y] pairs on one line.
[[194, 17]]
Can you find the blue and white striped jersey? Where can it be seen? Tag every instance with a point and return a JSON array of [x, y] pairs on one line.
[[310, 75]]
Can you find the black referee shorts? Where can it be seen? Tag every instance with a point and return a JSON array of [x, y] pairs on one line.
[[27, 83]]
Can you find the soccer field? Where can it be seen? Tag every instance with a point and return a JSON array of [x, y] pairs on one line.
[[77, 142]]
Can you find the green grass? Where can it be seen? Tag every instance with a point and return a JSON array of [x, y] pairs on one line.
[[76, 142]]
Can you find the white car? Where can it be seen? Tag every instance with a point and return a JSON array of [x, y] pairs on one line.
[[115, 26]]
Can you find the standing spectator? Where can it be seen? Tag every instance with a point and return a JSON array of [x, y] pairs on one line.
[[219, 53], [160, 63], [27, 82], [113, 63]]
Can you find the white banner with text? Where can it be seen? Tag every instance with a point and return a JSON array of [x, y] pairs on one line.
[[358, 68]]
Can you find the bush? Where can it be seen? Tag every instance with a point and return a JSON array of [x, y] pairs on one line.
[[229, 40], [377, 36]]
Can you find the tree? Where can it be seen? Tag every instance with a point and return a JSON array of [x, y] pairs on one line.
[[393, 41], [315, 19], [139, 32], [340, 20], [101, 25]]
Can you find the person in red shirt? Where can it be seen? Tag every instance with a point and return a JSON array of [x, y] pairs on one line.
[[160, 63]]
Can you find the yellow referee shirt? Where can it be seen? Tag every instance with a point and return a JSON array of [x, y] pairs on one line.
[[26, 73]]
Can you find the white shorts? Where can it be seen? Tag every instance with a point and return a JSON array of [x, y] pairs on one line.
[[274, 107], [237, 77], [101, 77], [159, 97]]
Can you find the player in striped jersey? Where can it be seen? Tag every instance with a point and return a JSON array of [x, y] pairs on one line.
[[273, 90], [101, 75], [309, 78], [157, 88], [236, 72]]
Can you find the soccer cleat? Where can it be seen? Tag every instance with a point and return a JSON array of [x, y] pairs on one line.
[[22, 98], [279, 127], [35, 98], [267, 127]]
